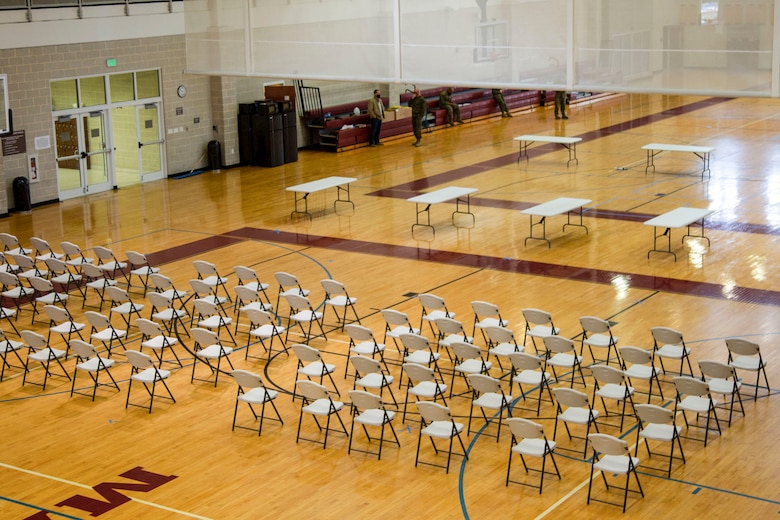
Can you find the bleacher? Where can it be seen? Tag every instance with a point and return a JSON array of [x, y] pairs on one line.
[[329, 127]]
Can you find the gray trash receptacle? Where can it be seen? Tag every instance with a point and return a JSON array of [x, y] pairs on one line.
[[21, 188]]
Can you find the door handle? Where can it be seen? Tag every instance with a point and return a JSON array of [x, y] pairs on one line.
[[83, 155], [140, 144]]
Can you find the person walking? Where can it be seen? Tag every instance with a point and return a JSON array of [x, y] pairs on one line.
[[419, 107], [560, 104], [453, 110], [498, 97], [376, 114]]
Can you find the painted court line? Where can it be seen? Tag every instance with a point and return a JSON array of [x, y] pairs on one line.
[[85, 486]]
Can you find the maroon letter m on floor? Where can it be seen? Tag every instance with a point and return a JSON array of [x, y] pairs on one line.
[[108, 490]]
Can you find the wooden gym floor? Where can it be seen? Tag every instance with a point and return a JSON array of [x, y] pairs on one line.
[[67, 457]]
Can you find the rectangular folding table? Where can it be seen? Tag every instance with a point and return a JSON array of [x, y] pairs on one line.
[[570, 143], [677, 218], [552, 208], [340, 183], [702, 152], [459, 194]]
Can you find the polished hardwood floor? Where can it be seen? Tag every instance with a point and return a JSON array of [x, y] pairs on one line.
[[71, 457]]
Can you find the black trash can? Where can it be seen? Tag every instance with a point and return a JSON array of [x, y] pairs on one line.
[[21, 187], [215, 155]]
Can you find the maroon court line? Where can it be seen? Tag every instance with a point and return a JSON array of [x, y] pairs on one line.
[[511, 265], [410, 189]]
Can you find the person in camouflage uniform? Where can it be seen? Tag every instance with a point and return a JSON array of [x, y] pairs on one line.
[[453, 110], [419, 107]]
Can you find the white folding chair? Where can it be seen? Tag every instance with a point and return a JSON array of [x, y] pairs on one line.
[[597, 333], [433, 307], [74, 256], [61, 322], [248, 298], [42, 251], [369, 375], [208, 349], [140, 267], [13, 290], [612, 456], [468, 360], [317, 402], [152, 337], [502, 344], [45, 294], [61, 275], [669, 344], [10, 347], [363, 343], [369, 411], [611, 383], [693, 395], [207, 272], [88, 360], [529, 440], [109, 264], [529, 371], [41, 352], [103, 331], [486, 315], [639, 364], [488, 394], [573, 407], [396, 323], [96, 279], [301, 314], [311, 364], [164, 311], [722, 379], [658, 424], [253, 392], [248, 278], [422, 384], [562, 354], [263, 326], [11, 245], [288, 284], [144, 371], [122, 305], [538, 324], [337, 297], [438, 423], [746, 355]]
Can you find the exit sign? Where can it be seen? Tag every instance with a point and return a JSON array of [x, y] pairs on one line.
[[111, 62]]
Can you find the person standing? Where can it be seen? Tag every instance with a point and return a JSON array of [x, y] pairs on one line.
[[376, 114], [498, 97], [419, 107], [560, 104], [453, 110]]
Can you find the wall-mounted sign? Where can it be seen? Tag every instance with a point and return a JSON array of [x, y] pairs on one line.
[[14, 143]]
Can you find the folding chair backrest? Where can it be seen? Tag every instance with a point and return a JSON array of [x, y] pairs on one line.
[[484, 309], [159, 301], [571, 398], [536, 317], [608, 445], [82, 349], [306, 353], [245, 274], [418, 373], [246, 379], [449, 326], [463, 350], [92, 271], [686, 385], [139, 360], [394, 317], [204, 268], [635, 355], [558, 344], [431, 302], [205, 308], [653, 414], [286, 279], [246, 294], [431, 411], [56, 314], [594, 325], [160, 281], [332, 287], [148, 328], [201, 288], [41, 284], [525, 361], [358, 333], [607, 374], [525, 429], [117, 294], [136, 259], [33, 340], [717, 370], [742, 347], [259, 317], [500, 334], [297, 302], [666, 336], [97, 320], [56, 266], [104, 254], [485, 384], [204, 337], [363, 400], [9, 241], [311, 390], [8, 280], [414, 342], [365, 365]]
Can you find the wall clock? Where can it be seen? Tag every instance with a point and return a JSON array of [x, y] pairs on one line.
[[181, 91]]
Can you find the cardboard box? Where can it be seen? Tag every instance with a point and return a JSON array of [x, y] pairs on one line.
[[390, 115], [404, 112]]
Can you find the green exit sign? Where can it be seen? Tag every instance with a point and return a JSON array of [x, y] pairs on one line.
[[111, 62]]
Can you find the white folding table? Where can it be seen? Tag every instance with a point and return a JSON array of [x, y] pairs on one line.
[[552, 208], [340, 183], [677, 218], [570, 143], [702, 152], [459, 194]]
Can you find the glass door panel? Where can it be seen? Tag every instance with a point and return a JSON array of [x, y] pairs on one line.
[[149, 142], [82, 155]]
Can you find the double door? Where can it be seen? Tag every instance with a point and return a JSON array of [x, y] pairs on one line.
[[99, 150]]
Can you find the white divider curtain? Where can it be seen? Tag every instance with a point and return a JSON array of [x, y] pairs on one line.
[[713, 47]]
